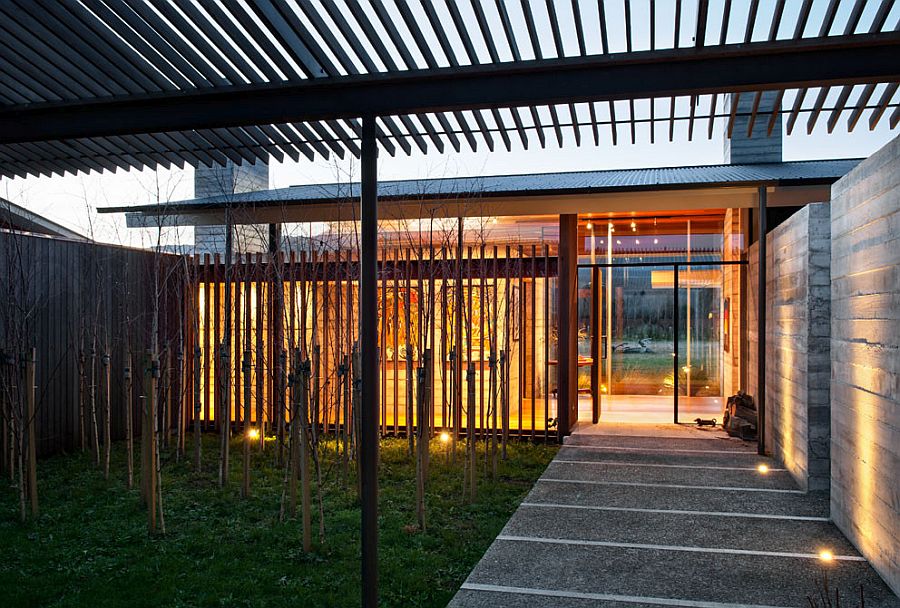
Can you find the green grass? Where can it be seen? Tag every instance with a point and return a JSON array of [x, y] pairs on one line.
[[90, 545]]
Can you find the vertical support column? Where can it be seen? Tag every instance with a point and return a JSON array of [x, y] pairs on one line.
[[761, 327], [675, 330], [567, 348], [368, 333], [596, 333], [277, 354]]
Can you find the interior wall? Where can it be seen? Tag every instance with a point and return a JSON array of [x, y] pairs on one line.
[[797, 339], [865, 369]]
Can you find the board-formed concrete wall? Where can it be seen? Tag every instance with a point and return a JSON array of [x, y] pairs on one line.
[[797, 340], [865, 372]]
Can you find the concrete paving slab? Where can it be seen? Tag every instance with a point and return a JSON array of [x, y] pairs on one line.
[[507, 597], [791, 536], [709, 532], [578, 471], [666, 444], [705, 577], [749, 460], [812, 504]]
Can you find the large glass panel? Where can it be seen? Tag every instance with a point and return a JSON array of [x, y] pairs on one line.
[[639, 354], [700, 343]]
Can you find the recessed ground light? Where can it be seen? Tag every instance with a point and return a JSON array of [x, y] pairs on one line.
[[445, 437], [826, 556], [763, 468], [253, 433]]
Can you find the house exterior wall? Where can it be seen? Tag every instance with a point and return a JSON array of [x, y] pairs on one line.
[[797, 338], [865, 372]]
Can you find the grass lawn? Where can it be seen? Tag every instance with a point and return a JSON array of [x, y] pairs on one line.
[[90, 545]]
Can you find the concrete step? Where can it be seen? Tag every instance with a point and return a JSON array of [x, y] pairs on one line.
[[679, 529], [588, 471], [735, 459], [813, 504], [665, 444]]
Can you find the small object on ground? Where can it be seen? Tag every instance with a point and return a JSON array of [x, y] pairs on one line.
[[740, 419], [705, 421]]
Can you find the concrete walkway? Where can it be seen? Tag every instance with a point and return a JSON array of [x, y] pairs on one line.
[[667, 516]]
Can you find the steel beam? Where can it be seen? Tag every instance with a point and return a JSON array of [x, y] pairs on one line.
[[836, 60], [761, 327], [368, 332]]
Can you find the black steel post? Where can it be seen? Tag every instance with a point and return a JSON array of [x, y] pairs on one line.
[[675, 340], [761, 327], [368, 332]]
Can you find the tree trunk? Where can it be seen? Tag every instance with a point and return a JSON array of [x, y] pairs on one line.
[[304, 454], [248, 439], [224, 415], [470, 431], [198, 353], [129, 421], [151, 452], [95, 434], [107, 411], [29, 421]]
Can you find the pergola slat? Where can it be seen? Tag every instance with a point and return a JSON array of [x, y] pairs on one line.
[[79, 54]]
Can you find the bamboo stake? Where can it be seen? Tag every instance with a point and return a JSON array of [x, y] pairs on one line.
[[470, 431], [198, 355], [107, 411], [180, 402], [421, 437], [129, 422], [223, 416], [149, 472], [95, 434], [293, 463], [304, 453], [245, 488], [30, 423], [82, 397]]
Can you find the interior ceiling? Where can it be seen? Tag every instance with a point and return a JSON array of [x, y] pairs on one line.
[[72, 53]]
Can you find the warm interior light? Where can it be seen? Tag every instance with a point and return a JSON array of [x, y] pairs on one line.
[[445, 437], [253, 433], [493, 220], [825, 555], [589, 226], [656, 241], [763, 468], [633, 226]]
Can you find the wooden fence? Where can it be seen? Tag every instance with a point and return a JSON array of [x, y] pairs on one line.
[[493, 306], [487, 312], [76, 302]]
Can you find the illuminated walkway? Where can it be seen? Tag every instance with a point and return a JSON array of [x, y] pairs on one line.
[[659, 515]]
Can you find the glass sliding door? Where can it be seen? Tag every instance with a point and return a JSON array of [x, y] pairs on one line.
[[700, 349]]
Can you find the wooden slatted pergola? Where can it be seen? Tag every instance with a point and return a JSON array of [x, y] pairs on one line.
[[101, 85]]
